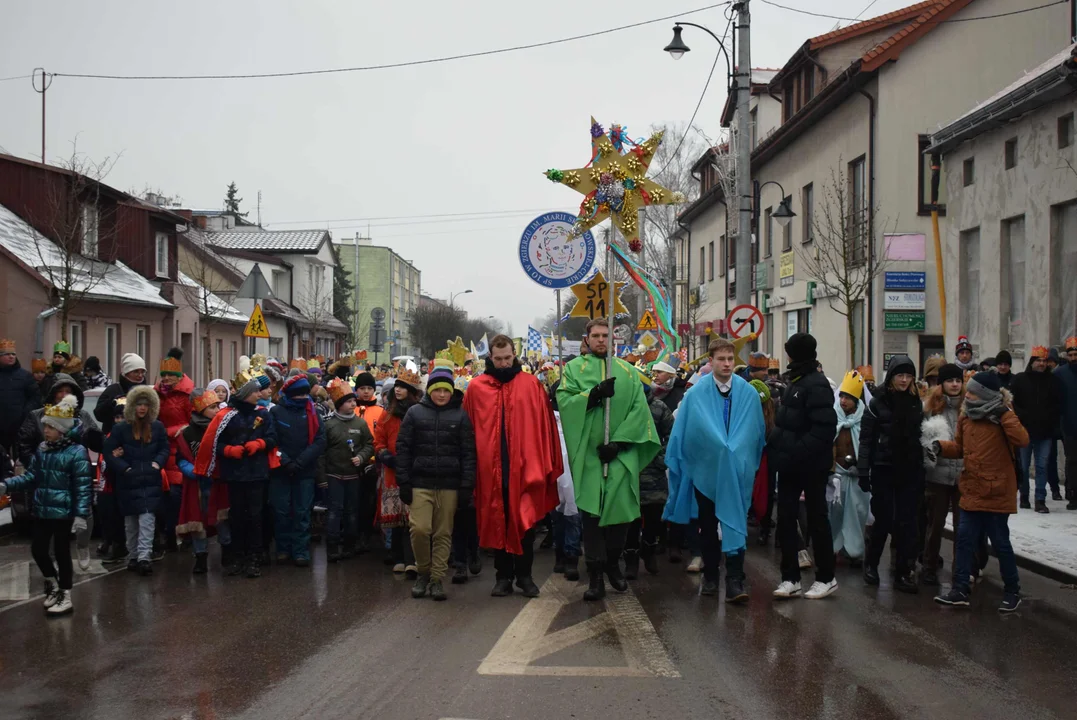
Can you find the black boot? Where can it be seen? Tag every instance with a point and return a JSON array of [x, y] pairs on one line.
[[332, 552], [764, 536], [631, 565], [527, 586], [734, 579], [559, 562], [613, 572], [201, 561], [596, 589], [871, 575], [572, 568], [649, 553], [502, 587], [459, 576]]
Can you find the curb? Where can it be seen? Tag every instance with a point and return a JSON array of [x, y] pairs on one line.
[[1028, 563]]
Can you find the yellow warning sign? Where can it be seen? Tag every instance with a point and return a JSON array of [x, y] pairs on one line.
[[647, 322], [256, 326]]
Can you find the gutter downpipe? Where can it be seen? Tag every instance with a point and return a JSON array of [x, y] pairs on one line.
[[39, 330], [871, 223], [687, 274]]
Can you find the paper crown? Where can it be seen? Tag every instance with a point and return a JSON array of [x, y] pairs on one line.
[[7, 347], [61, 347], [758, 361], [774, 364], [410, 378], [866, 372], [258, 361], [1038, 351], [39, 365], [1071, 343], [314, 364], [205, 400], [297, 364], [360, 355], [338, 390], [121, 403], [382, 375], [64, 409], [852, 384]]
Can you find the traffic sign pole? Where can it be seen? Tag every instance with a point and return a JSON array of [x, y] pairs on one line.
[[612, 287]]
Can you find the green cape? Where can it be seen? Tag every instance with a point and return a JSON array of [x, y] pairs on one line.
[[614, 499]]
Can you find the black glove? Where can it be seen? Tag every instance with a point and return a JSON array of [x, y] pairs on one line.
[[600, 392], [387, 459], [405, 495], [608, 453], [865, 483], [464, 497]]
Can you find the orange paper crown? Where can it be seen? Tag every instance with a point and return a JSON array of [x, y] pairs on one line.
[[1039, 351], [39, 365], [1071, 342], [7, 347], [204, 400], [338, 390], [867, 373], [410, 378], [297, 363]]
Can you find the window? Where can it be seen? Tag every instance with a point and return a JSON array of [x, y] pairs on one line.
[[768, 229], [1010, 153], [808, 86], [162, 255], [753, 126], [807, 217], [858, 210], [710, 262], [702, 264], [924, 179], [968, 171], [723, 258], [75, 337], [142, 340], [1014, 252], [277, 275], [797, 321], [112, 344], [969, 283], [1065, 131], [90, 228], [1063, 297], [787, 230]]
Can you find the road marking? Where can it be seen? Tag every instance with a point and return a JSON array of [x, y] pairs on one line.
[[89, 576], [527, 638], [15, 581]]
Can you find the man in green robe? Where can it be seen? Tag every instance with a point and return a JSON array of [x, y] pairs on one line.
[[607, 503]]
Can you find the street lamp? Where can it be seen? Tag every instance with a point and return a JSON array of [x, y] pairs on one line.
[[677, 48], [453, 296], [784, 214]]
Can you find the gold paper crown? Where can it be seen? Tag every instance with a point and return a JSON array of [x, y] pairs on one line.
[[1071, 342], [852, 384], [409, 377], [297, 363], [63, 409], [7, 346], [338, 389], [1038, 351], [204, 400], [258, 360], [314, 364], [382, 375], [773, 364]]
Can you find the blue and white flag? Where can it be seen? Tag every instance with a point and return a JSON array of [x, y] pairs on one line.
[[534, 340], [483, 348]]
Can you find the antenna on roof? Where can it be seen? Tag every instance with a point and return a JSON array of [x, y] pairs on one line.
[[259, 208]]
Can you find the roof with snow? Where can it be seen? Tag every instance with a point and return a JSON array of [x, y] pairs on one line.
[[100, 281], [270, 240], [215, 306]]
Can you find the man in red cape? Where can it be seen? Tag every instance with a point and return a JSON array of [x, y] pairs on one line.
[[519, 461]]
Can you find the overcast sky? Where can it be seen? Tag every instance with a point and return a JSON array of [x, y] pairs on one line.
[[468, 136]]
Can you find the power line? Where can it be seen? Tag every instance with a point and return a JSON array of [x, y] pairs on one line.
[[938, 22], [388, 66], [870, 5], [17, 77], [412, 217]]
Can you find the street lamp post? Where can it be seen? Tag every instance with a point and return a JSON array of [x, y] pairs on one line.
[[784, 214], [453, 296]]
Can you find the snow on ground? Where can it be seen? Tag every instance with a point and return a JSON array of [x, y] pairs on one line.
[[1048, 539]]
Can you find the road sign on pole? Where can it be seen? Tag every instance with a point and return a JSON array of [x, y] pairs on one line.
[[256, 326], [744, 320], [647, 322]]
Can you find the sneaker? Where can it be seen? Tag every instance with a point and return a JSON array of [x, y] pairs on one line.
[[804, 559], [459, 576], [117, 555], [929, 577], [787, 590], [145, 568], [708, 588], [906, 583], [1010, 602], [399, 568], [63, 605], [954, 598], [437, 591], [411, 572], [84, 557], [696, 565], [819, 590], [422, 583], [51, 589], [1041, 508]]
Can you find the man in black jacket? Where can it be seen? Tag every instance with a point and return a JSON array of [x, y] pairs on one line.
[[19, 394], [801, 450], [1037, 400], [132, 373]]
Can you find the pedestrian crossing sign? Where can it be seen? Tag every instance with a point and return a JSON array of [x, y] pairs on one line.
[[256, 326], [647, 322]]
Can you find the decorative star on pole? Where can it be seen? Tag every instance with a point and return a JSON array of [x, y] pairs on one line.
[[614, 184]]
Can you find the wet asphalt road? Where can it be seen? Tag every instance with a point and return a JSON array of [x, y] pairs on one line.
[[347, 641]]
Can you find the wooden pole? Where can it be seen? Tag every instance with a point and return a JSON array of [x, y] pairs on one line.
[[610, 302]]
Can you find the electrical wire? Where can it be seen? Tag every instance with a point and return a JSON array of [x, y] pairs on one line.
[[869, 7], [413, 217], [937, 22], [16, 77], [388, 66]]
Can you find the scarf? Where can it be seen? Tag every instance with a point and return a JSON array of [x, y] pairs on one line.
[[503, 375], [850, 422], [981, 409], [970, 365], [399, 408], [801, 369], [342, 416], [56, 445]]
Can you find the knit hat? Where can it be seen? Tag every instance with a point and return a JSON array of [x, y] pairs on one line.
[[7, 347], [441, 376], [985, 385], [758, 361], [365, 379], [1038, 351], [256, 385], [800, 347], [172, 364], [273, 374], [131, 362], [963, 344], [202, 399], [296, 385], [1004, 357], [62, 348], [92, 364], [340, 392], [1052, 354], [61, 416], [852, 384], [39, 365], [761, 387], [949, 371]]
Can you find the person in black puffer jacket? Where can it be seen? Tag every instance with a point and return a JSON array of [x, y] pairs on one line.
[[890, 464], [801, 448], [19, 394], [653, 493], [133, 373], [1037, 400], [435, 469], [31, 434]]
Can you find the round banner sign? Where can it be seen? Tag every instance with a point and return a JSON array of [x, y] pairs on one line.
[[551, 256]]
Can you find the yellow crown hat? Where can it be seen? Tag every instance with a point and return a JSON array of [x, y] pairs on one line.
[[852, 384]]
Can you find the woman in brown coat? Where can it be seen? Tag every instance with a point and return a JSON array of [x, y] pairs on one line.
[[988, 434]]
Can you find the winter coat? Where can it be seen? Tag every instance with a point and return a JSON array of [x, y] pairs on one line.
[[1037, 400], [989, 481], [385, 440], [338, 456], [31, 434], [803, 436], [653, 483], [672, 397], [138, 483], [946, 471], [106, 402], [72, 369], [175, 403], [191, 440], [19, 394], [435, 449], [1067, 375], [61, 479], [298, 452], [1006, 380], [877, 431], [249, 424]]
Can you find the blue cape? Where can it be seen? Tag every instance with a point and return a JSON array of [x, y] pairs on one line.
[[703, 456]]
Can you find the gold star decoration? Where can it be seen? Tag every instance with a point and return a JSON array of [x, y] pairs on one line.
[[457, 351], [591, 298], [615, 183]]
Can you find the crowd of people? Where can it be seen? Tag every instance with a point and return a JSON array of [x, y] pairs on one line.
[[431, 465]]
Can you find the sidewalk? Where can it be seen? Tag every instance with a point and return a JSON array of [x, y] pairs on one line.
[[1044, 544]]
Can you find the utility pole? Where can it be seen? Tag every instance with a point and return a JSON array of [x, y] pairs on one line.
[[259, 208], [743, 85], [46, 81]]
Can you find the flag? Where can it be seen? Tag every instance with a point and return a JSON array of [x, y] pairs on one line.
[[473, 353], [483, 348], [534, 340]]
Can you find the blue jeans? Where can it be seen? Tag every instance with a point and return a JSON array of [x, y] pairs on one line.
[[1040, 449], [139, 535], [566, 534], [343, 510], [970, 532], [292, 499]]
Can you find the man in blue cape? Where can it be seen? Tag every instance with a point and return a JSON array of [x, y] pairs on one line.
[[713, 455]]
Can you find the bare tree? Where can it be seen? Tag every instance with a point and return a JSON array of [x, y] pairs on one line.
[[204, 293], [431, 326], [841, 256], [316, 304]]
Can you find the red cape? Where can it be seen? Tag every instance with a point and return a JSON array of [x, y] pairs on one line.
[[534, 465]]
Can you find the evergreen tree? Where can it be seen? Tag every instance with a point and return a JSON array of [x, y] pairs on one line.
[[342, 293], [231, 202]]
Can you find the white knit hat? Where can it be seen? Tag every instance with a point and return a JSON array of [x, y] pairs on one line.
[[131, 362]]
